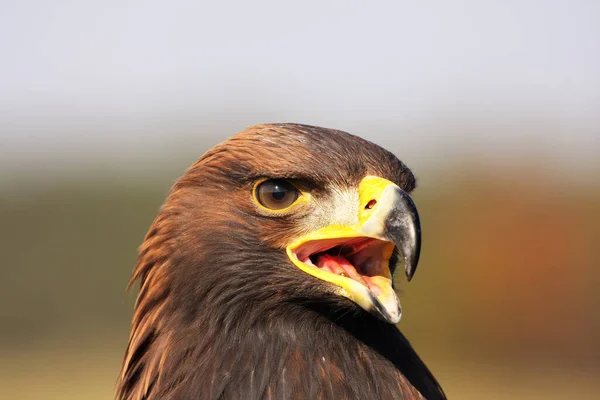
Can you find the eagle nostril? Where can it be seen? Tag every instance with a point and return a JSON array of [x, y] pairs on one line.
[[370, 204]]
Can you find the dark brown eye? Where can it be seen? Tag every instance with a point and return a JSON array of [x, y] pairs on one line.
[[276, 194]]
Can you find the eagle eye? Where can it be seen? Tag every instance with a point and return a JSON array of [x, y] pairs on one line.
[[276, 194]]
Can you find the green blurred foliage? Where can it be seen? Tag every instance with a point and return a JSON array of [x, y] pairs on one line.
[[504, 304]]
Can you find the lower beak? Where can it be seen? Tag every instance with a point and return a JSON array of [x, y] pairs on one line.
[[355, 259]]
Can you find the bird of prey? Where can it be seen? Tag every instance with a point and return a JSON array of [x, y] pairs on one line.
[[267, 274]]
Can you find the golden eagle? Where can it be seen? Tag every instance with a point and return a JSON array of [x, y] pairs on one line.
[[267, 274]]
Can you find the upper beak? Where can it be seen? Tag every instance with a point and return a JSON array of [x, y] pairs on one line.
[[394, 218], [359, 260]]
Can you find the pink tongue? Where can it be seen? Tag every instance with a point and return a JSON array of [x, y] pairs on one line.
[[339, 265]]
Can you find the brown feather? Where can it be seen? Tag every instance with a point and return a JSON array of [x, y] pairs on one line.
[[223, 314]]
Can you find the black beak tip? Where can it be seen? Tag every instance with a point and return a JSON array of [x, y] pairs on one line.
[[404, 229], [410, 270]]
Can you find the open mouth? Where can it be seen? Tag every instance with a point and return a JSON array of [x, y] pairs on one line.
[[361, 259], [354, 258]]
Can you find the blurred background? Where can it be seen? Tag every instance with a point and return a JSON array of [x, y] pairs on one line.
[[494, 105]]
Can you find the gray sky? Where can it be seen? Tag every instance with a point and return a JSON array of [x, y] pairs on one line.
[[118, 81]]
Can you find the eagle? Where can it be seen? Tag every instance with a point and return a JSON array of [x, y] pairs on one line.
[[268, 274]]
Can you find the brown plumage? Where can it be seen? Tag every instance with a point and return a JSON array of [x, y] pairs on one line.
[[222, 313]]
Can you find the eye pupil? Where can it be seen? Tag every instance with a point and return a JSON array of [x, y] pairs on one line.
[[276, 194]]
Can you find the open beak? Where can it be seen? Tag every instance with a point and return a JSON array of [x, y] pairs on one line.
[[356, 258]]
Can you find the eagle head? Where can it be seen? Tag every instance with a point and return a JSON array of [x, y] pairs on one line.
[[280, 229]]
